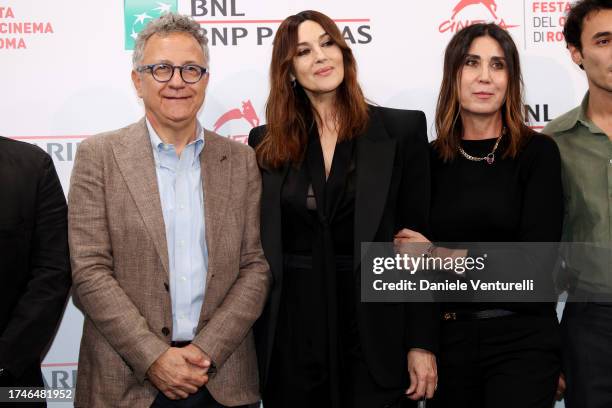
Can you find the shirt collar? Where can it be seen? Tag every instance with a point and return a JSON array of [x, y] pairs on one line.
[[157, 144], [579, 115]]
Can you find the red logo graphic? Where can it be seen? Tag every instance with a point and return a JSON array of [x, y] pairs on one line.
[[455, 24], [247, 113], [490, 4]]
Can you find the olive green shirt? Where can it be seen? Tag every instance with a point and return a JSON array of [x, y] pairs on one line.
[[586, 157]]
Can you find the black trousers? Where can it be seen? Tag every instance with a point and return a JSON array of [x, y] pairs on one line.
[[587, 354], [201, 399], [504, 362], [359, 390]]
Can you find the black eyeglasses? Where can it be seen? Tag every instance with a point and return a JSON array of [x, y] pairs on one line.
[[190, 73]]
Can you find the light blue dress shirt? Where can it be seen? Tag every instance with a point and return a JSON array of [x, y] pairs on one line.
[[182, 200]]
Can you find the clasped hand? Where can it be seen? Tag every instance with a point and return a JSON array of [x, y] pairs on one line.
[[179, 372]]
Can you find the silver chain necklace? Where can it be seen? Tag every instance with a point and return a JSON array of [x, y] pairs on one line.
[[489, 158]]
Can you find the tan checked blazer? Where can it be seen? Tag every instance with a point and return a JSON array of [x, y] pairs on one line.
[[120, 268]]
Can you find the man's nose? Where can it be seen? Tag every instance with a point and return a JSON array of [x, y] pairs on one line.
[[177, 80]]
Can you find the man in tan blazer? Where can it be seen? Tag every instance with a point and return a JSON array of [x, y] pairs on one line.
[[164, 237]]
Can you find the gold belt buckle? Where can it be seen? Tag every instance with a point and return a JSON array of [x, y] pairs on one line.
[[449, 316]]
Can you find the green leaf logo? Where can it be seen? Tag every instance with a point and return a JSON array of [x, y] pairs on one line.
[[138, 13]]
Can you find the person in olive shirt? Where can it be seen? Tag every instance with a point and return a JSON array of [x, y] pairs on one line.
[[584, 139]]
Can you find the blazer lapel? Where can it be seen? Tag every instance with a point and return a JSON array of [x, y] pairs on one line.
[[215, 167], [375, 157], [134, 158]]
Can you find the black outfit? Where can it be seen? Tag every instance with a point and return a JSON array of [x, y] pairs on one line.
[[34, 261], [586, 332], [510, 361], [317, 344]]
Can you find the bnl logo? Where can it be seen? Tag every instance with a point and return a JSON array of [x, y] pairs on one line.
[[138, 13], [489, 4]]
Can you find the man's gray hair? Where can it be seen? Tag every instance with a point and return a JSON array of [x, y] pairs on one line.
[[166, 24]]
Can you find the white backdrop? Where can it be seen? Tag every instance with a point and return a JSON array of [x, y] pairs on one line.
[[65, 72]]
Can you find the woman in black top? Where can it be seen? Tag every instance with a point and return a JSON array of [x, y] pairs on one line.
[[493, 180], [336, 172]]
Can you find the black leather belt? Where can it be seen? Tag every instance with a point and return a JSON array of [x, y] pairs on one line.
[[180, 344], [305, 261], [477, 315]]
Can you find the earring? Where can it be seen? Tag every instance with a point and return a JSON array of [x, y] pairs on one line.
[[293, 83]]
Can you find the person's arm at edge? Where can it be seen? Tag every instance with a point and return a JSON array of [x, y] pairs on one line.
[[39, 309]]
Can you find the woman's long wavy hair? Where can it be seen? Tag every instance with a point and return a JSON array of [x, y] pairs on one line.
[[289, 114], [448, 112]]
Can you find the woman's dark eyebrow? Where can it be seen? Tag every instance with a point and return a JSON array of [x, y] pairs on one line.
[[321, 36]]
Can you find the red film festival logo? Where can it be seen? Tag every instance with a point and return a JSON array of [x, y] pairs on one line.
[[246, 113], [12, 31], [456, 23], [548, 19]]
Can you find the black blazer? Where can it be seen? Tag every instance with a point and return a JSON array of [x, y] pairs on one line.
[[34, 261], [392, 192]]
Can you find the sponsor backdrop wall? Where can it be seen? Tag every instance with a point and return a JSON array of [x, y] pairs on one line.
[[65, 72]]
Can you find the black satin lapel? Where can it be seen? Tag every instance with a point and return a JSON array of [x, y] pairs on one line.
[[316, 167], [336, 185], [271, 231], [271, 242], [375, 155]]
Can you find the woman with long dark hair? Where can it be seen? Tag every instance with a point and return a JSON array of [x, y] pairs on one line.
[[493, 180], [336, 172]]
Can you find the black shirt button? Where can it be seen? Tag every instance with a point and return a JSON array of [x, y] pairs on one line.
[[165, 331], [166, 286]]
